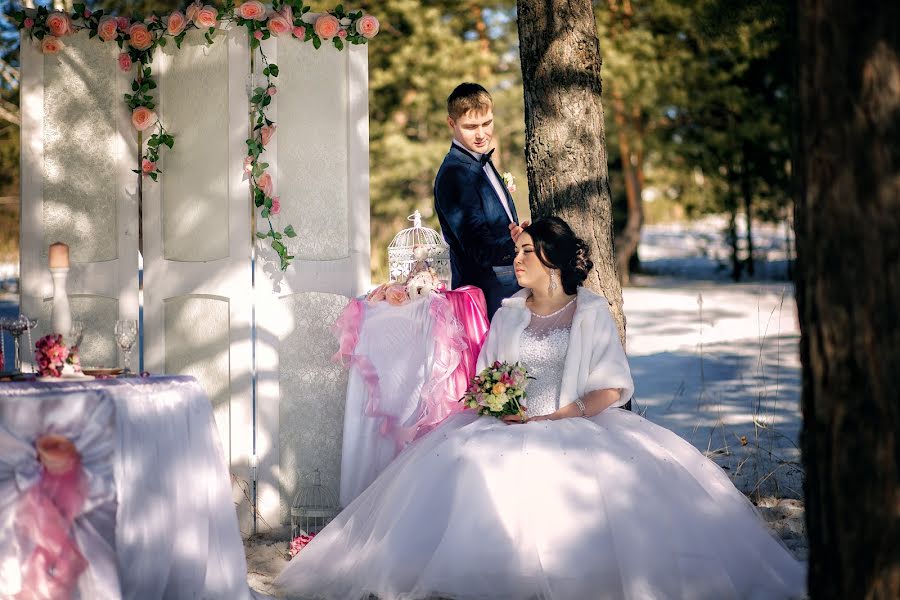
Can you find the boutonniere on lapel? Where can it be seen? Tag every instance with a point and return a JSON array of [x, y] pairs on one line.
[[510, 182]]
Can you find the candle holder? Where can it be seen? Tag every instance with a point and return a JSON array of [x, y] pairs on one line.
[[61, 313], [16, 327]]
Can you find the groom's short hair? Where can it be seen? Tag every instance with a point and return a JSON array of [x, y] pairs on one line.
[[466, 97]]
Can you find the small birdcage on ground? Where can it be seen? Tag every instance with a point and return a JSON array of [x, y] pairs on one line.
[[314, 506], [418, 243]]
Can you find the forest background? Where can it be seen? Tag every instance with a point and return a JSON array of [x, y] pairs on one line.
[[696, 94]]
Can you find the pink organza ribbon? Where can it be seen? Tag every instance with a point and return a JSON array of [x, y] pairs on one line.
[[44, 522], [454, 354], [439, 394], [347, 329], [470, 309]]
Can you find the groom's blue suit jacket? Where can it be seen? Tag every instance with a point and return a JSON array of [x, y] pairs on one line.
[[475, 226]]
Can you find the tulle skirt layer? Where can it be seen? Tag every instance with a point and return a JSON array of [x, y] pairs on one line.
[[614, 507]]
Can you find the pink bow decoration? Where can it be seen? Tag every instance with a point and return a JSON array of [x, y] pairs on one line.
[[44, 518]]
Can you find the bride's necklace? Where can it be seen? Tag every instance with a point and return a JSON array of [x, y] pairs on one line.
[[550, 321]]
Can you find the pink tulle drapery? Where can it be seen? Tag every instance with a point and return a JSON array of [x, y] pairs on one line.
[[459, 325]]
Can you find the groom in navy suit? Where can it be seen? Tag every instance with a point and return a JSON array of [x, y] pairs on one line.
[[472, 204]]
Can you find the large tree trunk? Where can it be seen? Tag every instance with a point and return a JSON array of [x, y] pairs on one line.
[[565, 146], [848, 293]]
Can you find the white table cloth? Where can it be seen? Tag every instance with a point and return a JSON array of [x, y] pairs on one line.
[[160, 491]]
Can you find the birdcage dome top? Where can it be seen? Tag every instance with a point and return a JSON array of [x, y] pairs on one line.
[[418, 243], [314, 499], [417, 235]]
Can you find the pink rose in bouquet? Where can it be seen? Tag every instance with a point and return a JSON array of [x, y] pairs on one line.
[[108, 28], [51, 45], [327, 26], [368, 26], [396, 294], [498, 390], [50, 354]]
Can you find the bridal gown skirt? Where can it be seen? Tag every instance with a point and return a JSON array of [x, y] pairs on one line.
[[609, 508]]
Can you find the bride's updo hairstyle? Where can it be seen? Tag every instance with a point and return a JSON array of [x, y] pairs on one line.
[[557, 247]]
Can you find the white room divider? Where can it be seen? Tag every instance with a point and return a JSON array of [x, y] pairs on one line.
[[78, 149], [258, 341]]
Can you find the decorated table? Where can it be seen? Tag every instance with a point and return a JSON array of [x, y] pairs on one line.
[[115, 488], [410, 362]]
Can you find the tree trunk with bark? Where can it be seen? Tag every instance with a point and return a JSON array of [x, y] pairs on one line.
[[565, 145], [848, 293]]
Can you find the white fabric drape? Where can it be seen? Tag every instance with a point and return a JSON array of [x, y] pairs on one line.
[[176, 532]]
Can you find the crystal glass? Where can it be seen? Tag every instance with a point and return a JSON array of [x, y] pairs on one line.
[[126, 335], [76, 334]]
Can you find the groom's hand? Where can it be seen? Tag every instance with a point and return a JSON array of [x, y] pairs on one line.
[[516, 230]]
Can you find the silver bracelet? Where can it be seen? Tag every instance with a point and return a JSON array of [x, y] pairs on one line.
[[580, 406]]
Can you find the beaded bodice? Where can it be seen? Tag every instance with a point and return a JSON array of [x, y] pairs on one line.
[[542, 350]]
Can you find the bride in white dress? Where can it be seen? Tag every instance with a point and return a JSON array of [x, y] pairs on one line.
[[580, 501]]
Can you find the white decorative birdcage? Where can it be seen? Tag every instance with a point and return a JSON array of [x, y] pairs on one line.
[[314, 506], [418, 243]]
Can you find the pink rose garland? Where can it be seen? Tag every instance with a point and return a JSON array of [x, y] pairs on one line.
[[327, 26], [207, 17], [252, 11], [124, 61], [142, 118], [59, 24], [176, 23], [368, 26], [141, 38], [108, 28], [51, 45]]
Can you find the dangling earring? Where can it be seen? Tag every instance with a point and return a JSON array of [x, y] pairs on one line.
[[551, 289]]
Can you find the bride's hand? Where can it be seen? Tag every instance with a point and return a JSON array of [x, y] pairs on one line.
[[515, 419]]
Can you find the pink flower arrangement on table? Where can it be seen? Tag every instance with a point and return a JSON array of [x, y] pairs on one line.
[[50, 354]]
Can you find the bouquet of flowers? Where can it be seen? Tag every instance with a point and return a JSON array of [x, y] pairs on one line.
[[50, 354], [498, 390]]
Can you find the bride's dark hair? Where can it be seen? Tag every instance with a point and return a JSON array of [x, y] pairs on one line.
[[557, 247]]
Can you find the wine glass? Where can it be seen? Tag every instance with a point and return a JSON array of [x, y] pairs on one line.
[[76, 334], [126, 335]]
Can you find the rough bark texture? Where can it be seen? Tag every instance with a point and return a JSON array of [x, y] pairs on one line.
[[848, 293], [565, 145], [629, 237]]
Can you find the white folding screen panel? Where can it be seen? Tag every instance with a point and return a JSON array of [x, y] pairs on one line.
[[197, 238], [319, 159], [78, 150]]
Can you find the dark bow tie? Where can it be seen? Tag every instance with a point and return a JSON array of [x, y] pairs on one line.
[[486, 157]]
